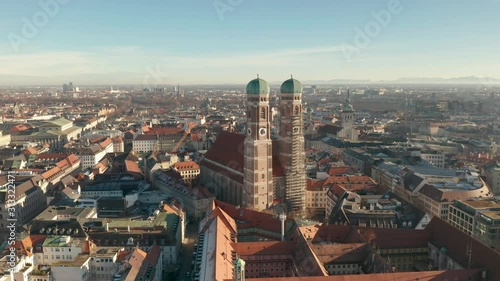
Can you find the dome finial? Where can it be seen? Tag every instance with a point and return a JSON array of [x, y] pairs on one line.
[[257, 75], [291, 76]]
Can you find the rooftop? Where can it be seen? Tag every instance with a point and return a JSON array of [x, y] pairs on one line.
[[57, 122], [466, 274], [482, 203], [79, 261], [57, 241]]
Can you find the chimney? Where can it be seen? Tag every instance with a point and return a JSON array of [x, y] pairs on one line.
[[128, 228], [107, 226]]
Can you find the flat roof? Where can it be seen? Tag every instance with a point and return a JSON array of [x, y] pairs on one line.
[[482, 203], [77, 262], [492, 214]]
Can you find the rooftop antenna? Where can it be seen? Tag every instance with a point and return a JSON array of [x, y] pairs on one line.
[[257, 75], [291, 76]]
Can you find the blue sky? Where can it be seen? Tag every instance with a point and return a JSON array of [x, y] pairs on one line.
[[191, 41]]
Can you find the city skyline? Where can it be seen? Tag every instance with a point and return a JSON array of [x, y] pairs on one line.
[[228, 42]]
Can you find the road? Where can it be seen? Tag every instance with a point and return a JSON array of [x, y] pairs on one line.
[[191, 236]]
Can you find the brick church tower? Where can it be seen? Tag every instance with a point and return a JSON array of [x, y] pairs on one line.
[[258, 168]]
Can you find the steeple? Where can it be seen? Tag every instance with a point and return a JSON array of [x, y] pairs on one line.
[[348, 106], [239, 270], [291, 145], [258, 180]]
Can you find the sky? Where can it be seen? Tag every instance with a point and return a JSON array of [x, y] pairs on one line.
[[158, 42]]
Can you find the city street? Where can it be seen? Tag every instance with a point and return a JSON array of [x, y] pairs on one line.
[[191, 237]]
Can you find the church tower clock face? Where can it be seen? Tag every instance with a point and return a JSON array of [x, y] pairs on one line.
[[262, 131]]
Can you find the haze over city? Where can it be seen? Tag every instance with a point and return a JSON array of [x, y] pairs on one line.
[[249, 140], [225, 42]]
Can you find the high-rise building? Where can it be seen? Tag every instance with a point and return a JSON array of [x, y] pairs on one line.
[[258, 161], [291, 144], [68, 87]]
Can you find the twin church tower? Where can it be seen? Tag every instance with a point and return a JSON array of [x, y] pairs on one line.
[[261, 186]]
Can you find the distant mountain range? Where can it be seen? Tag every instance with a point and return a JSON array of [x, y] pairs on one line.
[[456, 80], [128, 78], [412, 80]]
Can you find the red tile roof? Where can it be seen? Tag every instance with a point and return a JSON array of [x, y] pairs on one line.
[[105, 143], [352, 183], [188, 165], [132, 167], [392, 238], [329, 233], [72, 159], [228, 150], [225, 218], [341, 253], [459, 275], [20, 128], [33, 240], [145, 137], [442, 234], [315, 185], [153, 254], [50, 174], [338, 190], [264, 248], [135, 260], [61, 166], [251, 219], [30, 150], [162, 130]]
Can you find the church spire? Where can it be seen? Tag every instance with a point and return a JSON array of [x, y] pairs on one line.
[[347, 105]]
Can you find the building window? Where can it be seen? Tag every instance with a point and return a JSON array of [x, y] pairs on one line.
[[263, 113]]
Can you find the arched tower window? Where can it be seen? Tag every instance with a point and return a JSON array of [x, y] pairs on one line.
[[296, 110], [263, 113]]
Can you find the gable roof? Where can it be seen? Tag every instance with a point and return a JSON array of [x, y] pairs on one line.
[[329, 129], [247, 218], [60, 122], [228, 150], [389, 238], [442, 234], [459, 275], [185, 166]]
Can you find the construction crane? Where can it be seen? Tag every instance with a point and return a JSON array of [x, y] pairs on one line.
[[186, 133]]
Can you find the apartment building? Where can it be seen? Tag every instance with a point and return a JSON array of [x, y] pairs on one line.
[[479, 218], [29, 200], [145, 143], [188, 170], [492, 173]]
